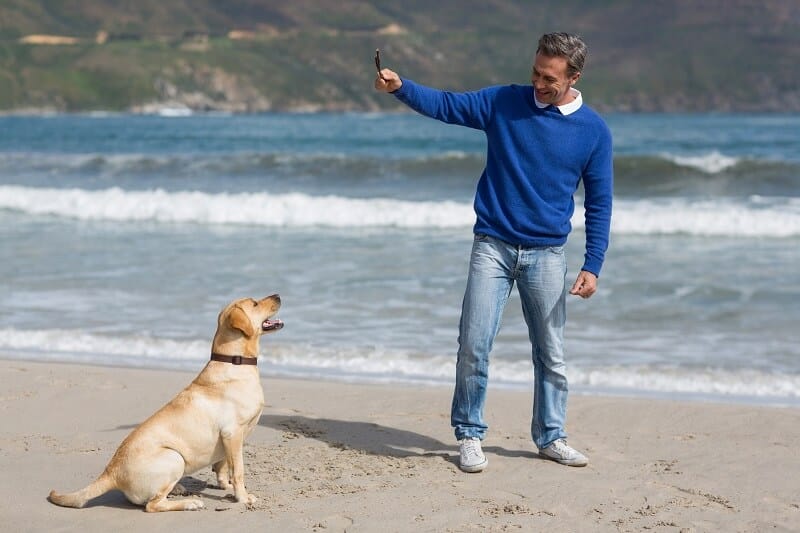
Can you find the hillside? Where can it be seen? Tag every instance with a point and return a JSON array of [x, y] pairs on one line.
[[262, 55]]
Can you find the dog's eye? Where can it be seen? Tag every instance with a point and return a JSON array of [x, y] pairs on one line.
[[255, 303]]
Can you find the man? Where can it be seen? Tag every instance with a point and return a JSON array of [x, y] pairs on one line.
[[541, 142]]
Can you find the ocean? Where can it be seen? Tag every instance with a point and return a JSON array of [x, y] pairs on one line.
[[123, 236]]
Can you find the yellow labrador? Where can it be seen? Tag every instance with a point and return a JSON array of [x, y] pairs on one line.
[[205, 424]]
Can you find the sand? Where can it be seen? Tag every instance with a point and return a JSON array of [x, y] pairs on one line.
[[330, 456]]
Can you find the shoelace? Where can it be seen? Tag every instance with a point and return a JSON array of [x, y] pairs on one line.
[[561, 448], [471, 447]]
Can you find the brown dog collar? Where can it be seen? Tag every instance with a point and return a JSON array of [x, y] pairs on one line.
[[234, 359]]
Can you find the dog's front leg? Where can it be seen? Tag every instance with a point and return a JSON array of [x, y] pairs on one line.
[[220, 468], [235, 458]]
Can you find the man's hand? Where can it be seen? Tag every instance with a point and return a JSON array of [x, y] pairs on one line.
[[387, 81], [585, 285]]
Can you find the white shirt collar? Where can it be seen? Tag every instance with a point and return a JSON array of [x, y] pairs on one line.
[[565, 109]]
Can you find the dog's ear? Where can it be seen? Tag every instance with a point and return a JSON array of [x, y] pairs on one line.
[[238, 319]]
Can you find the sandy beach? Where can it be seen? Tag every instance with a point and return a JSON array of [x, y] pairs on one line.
[[330, 456]]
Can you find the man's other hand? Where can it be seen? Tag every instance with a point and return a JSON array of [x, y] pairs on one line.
[[585, 285]]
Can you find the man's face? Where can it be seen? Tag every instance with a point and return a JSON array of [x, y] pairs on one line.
[[550, 80]]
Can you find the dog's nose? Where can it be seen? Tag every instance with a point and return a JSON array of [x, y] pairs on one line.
[[276, 297]]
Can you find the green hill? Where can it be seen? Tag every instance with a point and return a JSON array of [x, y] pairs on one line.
[[259, 55]]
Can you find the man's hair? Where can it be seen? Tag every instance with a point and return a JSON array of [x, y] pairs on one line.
[[570, 47]]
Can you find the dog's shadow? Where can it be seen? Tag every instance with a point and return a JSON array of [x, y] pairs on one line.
[[114, 499], [187, 486]]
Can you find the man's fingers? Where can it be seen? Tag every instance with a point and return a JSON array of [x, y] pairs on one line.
[[582, 291], [585, 285], [381, 82], [387, 80]]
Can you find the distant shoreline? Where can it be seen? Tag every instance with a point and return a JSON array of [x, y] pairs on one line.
[[168, 111]]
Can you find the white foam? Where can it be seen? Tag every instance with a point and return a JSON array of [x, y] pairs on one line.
[[66, 342], [711, 163], [293, 209], [757, 217], [708, 381], [753, 217], [166, 110]]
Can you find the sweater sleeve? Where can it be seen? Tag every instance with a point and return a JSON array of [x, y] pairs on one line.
[[471, 109], [598, 185]]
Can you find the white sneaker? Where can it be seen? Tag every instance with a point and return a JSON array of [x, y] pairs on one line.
[[472, 458], [560, 452]]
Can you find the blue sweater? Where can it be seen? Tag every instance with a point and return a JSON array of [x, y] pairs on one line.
[[535, 160]]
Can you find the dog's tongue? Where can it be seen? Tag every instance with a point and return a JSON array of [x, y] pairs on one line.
[[271, 325]]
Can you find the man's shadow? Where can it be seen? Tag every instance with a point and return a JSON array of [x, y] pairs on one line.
[[363, 436], [374, 438]]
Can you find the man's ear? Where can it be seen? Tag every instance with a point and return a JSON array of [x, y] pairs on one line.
[[238, 319], [574, 79]]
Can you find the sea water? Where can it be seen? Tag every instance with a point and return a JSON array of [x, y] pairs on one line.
[[122, 237]]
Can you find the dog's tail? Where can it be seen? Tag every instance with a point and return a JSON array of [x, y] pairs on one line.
[[79, 498]]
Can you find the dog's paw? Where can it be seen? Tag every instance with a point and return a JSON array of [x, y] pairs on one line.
[[224, 484], [249, 501], [194, 505]]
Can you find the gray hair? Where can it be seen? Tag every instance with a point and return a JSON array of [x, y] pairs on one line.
[[570, 47]]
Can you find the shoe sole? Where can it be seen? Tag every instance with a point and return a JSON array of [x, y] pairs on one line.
[[474, 469], [566, 462]]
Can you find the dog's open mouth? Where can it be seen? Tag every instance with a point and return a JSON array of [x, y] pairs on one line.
[[271, 325]]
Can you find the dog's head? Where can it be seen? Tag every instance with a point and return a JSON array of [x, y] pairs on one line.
[[243, 321]]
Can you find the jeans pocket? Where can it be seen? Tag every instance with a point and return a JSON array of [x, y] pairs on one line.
[[481, 237], [557, 250]]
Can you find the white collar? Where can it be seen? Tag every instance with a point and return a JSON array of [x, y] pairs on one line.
[[566, 109]]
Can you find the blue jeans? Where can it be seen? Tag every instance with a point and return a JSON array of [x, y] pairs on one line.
[[540, 274]]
